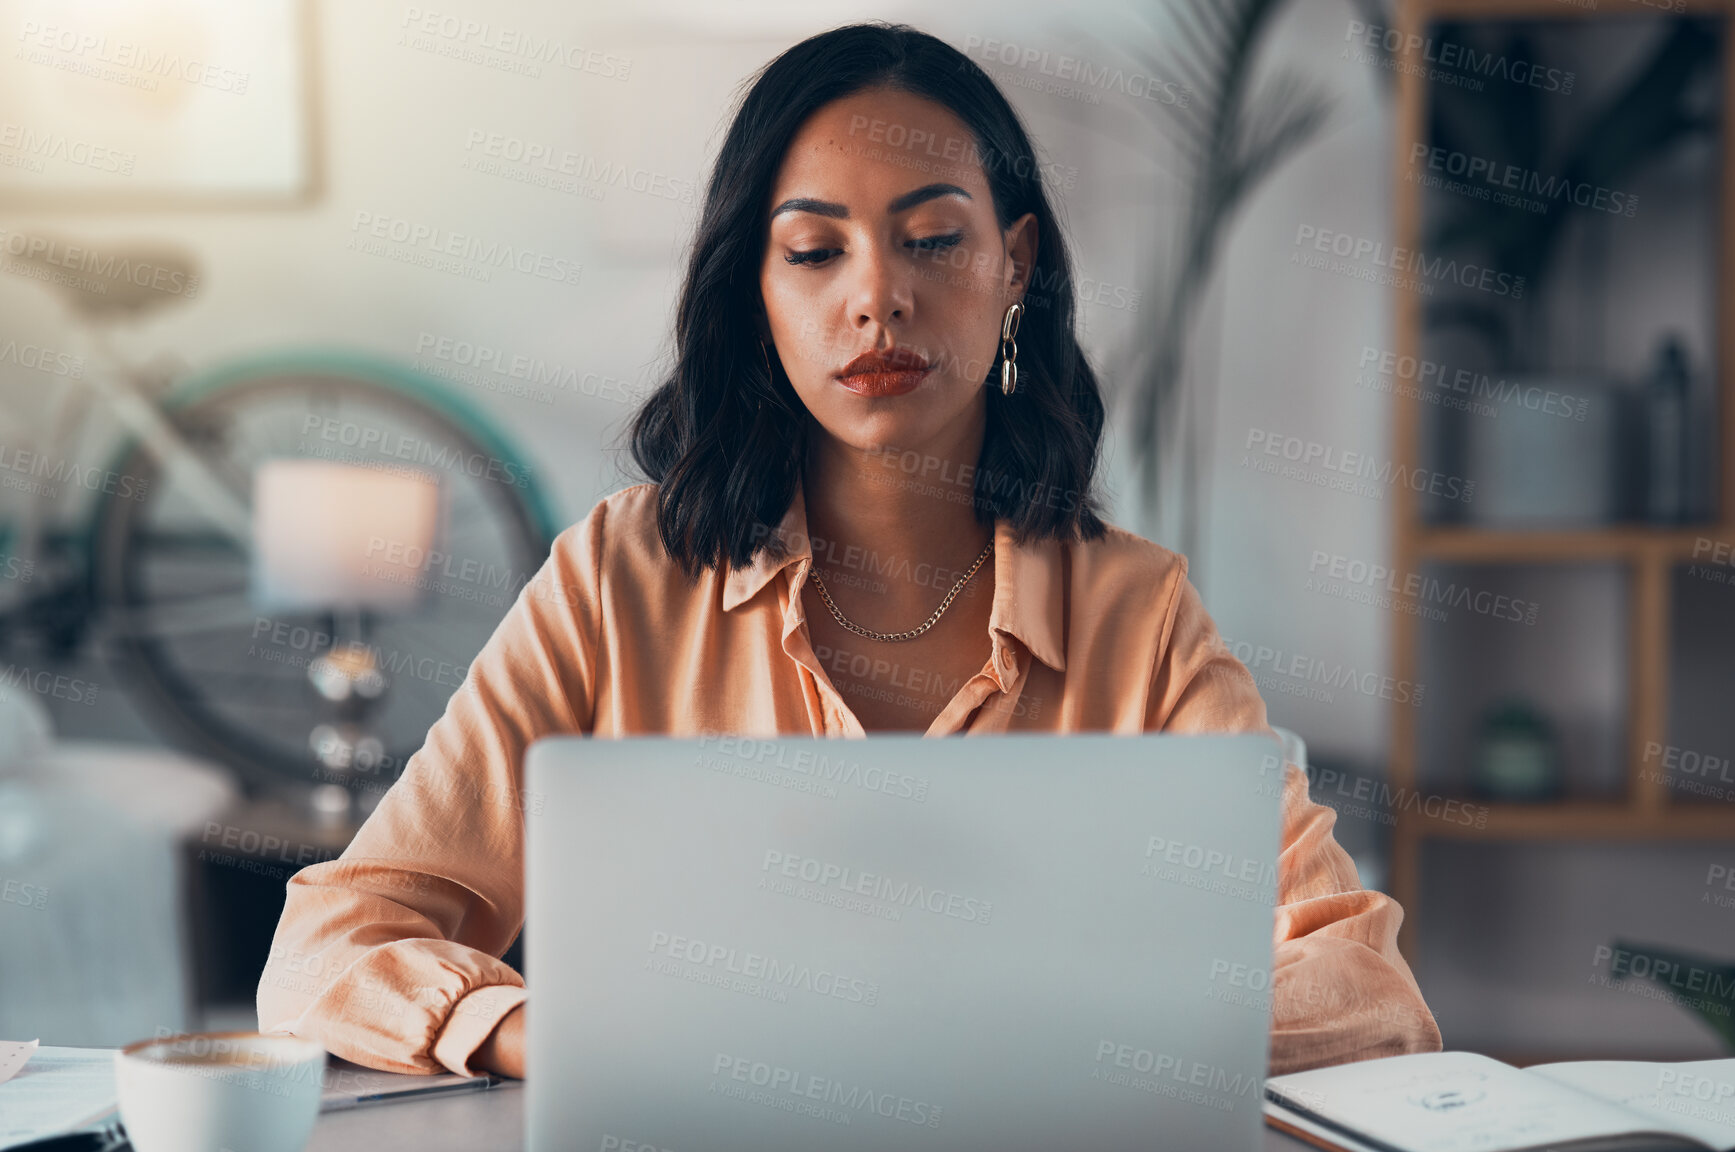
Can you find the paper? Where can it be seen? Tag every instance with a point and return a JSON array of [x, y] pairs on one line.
[[1697, 1097], [13, 1055], [1453, 1102], [58, 1090]]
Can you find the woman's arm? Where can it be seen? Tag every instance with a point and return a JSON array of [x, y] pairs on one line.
[[1341, 989], [503, 1050], [389, 955]]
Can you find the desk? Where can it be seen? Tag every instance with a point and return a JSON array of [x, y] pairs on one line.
[[491, 1121]]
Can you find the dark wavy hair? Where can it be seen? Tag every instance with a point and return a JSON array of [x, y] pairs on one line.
[[725, 436]]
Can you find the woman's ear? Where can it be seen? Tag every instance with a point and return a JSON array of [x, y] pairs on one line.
[[1021, 242]]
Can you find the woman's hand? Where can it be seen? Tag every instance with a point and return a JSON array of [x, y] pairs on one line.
[[503, 1051]]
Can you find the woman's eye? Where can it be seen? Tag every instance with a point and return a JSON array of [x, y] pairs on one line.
[[923, 244], [936, 243]]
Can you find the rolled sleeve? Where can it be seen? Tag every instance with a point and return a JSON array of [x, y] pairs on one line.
[[389, 955], [471, 1021], [1341, 989]]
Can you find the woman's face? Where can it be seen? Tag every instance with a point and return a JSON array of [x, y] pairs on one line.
[[883, 239]]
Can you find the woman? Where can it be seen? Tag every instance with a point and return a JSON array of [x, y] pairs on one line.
[[871, 510]]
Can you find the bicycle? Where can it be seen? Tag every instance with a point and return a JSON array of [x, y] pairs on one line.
[[159, 564]]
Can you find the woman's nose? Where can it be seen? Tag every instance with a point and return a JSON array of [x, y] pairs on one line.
[[881, 291]]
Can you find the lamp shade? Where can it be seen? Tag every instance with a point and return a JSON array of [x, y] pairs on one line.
[[329, 535]]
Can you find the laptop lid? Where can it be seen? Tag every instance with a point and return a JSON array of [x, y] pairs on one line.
[[1004, 942]]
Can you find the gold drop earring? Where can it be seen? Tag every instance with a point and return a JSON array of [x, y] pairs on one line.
[[1009, 349]]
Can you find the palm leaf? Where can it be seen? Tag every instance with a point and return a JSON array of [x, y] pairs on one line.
[[1231, 137], [1224, 141], [1716, 975]]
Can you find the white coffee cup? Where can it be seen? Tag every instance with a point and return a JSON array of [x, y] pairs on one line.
[[220, 1092]]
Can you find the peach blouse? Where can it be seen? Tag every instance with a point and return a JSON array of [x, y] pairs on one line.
[[389, 955]]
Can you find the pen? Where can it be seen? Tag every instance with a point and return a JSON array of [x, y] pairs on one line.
[[477, 1084]]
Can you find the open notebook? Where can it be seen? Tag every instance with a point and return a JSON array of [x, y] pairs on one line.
[[1458, 1101], [59, 1090]]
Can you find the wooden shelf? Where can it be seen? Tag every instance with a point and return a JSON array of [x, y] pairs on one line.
[[1646, 811], [1616, 542], [1574, 820]]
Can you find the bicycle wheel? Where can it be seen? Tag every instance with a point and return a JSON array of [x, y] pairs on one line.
[[229, 680]]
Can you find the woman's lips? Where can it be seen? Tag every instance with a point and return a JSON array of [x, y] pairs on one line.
[[876, 384], [891, 372]]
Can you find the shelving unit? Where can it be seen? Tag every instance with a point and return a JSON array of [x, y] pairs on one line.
[[1648, 555]]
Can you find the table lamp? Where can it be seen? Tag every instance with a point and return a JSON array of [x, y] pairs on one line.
[[343, 540]]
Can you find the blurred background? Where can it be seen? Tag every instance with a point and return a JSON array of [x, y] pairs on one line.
[[318, 321]]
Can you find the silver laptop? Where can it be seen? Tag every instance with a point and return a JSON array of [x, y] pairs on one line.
[[986, 943]]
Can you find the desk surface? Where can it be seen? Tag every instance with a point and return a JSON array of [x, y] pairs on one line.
[[491, 1121]]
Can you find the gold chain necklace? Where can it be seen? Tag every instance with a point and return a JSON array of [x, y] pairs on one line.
[[892, 637]]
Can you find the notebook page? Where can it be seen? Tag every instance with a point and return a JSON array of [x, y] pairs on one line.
[[58, 1090], [1452, 1102], [1696, 1097]]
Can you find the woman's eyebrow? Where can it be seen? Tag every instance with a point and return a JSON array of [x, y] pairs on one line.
[[840, 212]]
